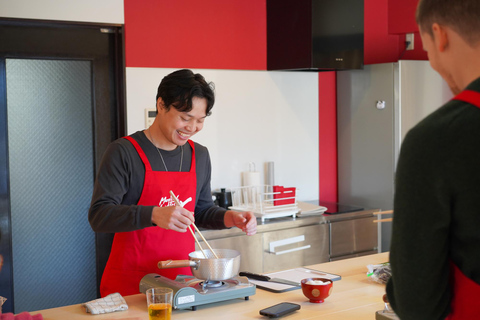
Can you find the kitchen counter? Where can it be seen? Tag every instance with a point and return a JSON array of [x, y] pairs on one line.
[[353, 297]]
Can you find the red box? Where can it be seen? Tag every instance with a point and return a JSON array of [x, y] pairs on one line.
[[288, 194]]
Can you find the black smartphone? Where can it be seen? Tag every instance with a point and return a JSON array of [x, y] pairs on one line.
[[280, 309]]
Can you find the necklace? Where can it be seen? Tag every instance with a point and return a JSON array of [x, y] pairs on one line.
[[161, 157]]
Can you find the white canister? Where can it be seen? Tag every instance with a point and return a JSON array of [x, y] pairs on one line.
[[252, 177]]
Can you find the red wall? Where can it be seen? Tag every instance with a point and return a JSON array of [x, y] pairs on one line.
[[401, 16], [379, 45], [327, 136], [207, 34]]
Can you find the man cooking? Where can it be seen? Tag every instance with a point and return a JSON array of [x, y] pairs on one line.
[[131, 197]]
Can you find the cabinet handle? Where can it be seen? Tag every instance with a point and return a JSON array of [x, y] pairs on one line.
[[283, 242], [291, 250]]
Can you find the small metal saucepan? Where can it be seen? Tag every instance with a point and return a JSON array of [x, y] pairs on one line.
[[223, 268]]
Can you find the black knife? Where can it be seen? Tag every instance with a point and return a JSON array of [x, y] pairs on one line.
[[262, 277]]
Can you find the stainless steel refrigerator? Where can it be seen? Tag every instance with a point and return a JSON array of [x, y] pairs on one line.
[[376, 106]]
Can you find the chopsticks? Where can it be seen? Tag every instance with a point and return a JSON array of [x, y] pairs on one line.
[[198, 243]]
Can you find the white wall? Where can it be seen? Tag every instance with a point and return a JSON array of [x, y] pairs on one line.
[[258, 116], [101, 11]]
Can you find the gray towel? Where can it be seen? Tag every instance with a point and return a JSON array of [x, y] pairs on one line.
[[111, 303]]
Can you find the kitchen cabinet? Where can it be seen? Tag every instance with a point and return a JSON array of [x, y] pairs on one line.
[[285, 243], [353, 237]]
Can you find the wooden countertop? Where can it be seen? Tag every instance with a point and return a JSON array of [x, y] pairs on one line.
[[353, 297]]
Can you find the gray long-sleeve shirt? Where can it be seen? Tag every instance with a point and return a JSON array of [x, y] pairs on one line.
[[119, 185]]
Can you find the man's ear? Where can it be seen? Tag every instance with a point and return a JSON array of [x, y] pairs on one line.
[[160, 104], [440, 37]]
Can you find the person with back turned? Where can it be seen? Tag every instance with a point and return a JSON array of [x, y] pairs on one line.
[[132, 199], [435, 248]]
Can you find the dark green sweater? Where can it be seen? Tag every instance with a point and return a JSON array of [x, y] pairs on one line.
[[436, 210]]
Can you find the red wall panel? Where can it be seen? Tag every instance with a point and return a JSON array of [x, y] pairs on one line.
[[379, 45], [401, 16], [401, 20], [207, 34], [327, 136], [384, 40]]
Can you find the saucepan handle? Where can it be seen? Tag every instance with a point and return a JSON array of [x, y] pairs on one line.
[[168, 264]]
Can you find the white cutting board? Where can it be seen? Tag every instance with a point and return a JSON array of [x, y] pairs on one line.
[[306, 208], [296, 275]]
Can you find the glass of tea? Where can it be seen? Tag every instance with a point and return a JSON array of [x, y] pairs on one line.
[[159, 302]]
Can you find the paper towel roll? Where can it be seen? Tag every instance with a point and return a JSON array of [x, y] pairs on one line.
[[269, 172], [269, 178], [250, 178]]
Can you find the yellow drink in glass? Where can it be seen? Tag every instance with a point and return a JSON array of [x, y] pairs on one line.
[[160, 311]]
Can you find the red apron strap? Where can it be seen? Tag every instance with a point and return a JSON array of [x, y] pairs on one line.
[[140, 153], [469, 96], [193, 167]]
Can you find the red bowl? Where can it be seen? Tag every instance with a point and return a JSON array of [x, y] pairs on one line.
[[317, 293]]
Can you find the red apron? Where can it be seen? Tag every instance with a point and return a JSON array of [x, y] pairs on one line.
[[466, 292], [136, 253]]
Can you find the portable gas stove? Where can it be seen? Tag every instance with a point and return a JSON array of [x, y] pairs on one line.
[[190, 292]]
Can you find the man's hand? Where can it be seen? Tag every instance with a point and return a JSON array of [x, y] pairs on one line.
[[172, 218], [242, 220]]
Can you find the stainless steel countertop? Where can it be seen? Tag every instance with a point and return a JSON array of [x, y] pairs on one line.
[[289, 223]]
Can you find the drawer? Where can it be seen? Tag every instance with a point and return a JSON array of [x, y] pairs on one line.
[[291, 248], [353, 236]]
